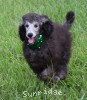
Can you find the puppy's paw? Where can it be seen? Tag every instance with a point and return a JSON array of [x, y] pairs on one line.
[[56, 79], [46, 73]]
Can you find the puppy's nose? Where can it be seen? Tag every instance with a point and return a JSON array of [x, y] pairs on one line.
[[30, 35]]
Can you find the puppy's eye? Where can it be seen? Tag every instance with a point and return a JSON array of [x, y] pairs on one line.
[[26, 25], [35, 25]]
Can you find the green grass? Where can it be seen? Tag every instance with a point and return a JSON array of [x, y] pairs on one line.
[[16, 76]]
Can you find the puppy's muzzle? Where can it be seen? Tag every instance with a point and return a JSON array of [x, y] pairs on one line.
[[30, 35]]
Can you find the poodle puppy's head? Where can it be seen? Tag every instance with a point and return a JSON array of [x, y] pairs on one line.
[[33, 25]]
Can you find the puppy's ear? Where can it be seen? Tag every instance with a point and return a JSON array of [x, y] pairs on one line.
[[22, 32], [47, 26]]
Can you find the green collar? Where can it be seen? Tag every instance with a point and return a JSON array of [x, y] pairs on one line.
[[37, 44]]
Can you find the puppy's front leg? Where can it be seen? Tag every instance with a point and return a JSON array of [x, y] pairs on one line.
[[46, 73], [61, 73]]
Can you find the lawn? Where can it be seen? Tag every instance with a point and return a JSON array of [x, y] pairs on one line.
[[17, 81]]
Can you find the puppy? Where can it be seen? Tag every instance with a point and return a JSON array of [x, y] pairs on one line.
[[46, 45]]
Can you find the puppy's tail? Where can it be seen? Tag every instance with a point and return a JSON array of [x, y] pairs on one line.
[[70, 16]]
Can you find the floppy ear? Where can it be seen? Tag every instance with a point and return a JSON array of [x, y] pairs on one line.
[[47, 26], [22, 32]]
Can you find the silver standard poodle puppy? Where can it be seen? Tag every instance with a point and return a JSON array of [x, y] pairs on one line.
[[46, 45]]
